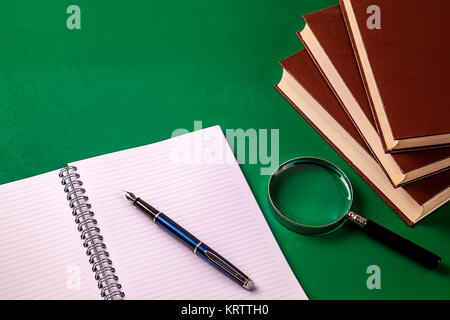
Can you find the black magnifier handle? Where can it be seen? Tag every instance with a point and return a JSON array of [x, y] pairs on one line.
[[396, 242]]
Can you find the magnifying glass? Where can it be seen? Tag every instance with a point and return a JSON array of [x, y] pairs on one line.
[[313, 196]]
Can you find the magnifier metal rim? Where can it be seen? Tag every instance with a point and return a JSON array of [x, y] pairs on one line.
[[302, 228]]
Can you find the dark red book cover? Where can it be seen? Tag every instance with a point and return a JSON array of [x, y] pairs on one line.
[[329, 28], [405, 65]]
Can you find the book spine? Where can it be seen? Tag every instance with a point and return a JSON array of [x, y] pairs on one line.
[[99, 258]]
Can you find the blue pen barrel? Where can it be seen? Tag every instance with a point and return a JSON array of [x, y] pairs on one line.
[[179, 232]]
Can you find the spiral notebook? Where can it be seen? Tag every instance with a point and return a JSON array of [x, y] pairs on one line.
[[194, 178]]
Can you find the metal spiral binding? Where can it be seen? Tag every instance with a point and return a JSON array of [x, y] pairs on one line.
[[104, 273]]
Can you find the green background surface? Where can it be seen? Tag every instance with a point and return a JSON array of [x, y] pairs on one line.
[[137, 70]]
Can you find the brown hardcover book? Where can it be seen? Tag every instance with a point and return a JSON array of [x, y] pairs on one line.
[[326, 39], [304, 87], [402, 51]]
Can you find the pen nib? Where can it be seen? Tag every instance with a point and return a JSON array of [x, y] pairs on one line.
[[130, 196]]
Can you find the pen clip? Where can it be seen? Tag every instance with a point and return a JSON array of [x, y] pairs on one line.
[[225, 266]]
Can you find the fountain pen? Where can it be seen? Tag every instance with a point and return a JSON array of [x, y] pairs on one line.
[[192, 242]]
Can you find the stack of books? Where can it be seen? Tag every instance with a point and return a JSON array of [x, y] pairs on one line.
[[380, 100]]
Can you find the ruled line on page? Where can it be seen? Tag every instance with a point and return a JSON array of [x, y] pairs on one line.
[[39, 242]]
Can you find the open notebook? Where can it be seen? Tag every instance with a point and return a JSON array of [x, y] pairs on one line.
[[193, 178]]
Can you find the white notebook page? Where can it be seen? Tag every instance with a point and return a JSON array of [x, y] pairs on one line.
[[41, 253], [196, 181]]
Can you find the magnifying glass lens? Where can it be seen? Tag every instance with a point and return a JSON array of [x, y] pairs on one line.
[[310, 194]]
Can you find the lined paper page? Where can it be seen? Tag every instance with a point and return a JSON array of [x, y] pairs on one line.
[[195, 180], [41, 253]]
